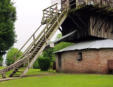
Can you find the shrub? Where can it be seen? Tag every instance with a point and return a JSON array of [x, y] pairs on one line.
[[12, 57], [36, 65], [44, 64]]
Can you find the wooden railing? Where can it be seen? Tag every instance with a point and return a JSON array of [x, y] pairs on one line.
[[52, 11], [65, 4], [108, 3], [49, 13]]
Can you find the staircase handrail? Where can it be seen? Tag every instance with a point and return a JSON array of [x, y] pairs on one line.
[[32, 36]]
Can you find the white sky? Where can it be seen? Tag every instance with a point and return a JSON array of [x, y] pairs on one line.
[[29, 14]]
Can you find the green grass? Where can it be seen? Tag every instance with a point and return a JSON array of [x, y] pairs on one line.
[[53, 79], [1, 67], [62, 80], [30, 72]]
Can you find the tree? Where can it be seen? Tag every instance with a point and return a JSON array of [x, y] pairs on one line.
[[62, 45], [58, 36], [13, 55], [48, 53], [7, 19]]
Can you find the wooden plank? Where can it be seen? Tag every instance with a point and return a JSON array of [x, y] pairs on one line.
[[100, 28]]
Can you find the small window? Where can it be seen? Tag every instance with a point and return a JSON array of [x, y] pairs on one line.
[[79, 56]]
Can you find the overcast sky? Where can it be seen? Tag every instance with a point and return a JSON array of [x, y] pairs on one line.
[[29, 14]]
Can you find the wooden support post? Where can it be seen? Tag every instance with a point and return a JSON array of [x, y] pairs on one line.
[[28, 61], [3, 75], [100, 27], [90, 28], [86, 2], [15, 70], [101, 2], [95, 22], [77, 3], [102, 31], [111, 35]]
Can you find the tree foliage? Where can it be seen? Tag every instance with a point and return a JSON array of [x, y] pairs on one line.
[[48, 53], [13, 55], [7, 19], [36, 65], [58, 36], [61, 45], [44, 63]]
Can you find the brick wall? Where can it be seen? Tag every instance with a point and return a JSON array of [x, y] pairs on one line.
[[94, 61]]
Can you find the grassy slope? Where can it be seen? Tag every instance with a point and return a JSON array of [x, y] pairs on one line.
[[62, 80]]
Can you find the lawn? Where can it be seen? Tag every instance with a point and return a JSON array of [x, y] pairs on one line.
[[30, 72], [53, 79], [62, 80]]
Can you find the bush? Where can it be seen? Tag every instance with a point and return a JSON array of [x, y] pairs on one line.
[[44, 64], [36, 65], [12, 56]]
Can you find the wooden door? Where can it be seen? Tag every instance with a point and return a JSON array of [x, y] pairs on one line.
[[110, 64]]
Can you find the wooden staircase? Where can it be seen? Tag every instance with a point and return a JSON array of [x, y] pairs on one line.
[[52, 18]]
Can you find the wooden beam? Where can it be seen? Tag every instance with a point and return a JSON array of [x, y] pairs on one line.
[[82, 21], [77, 25], [3, 75]]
